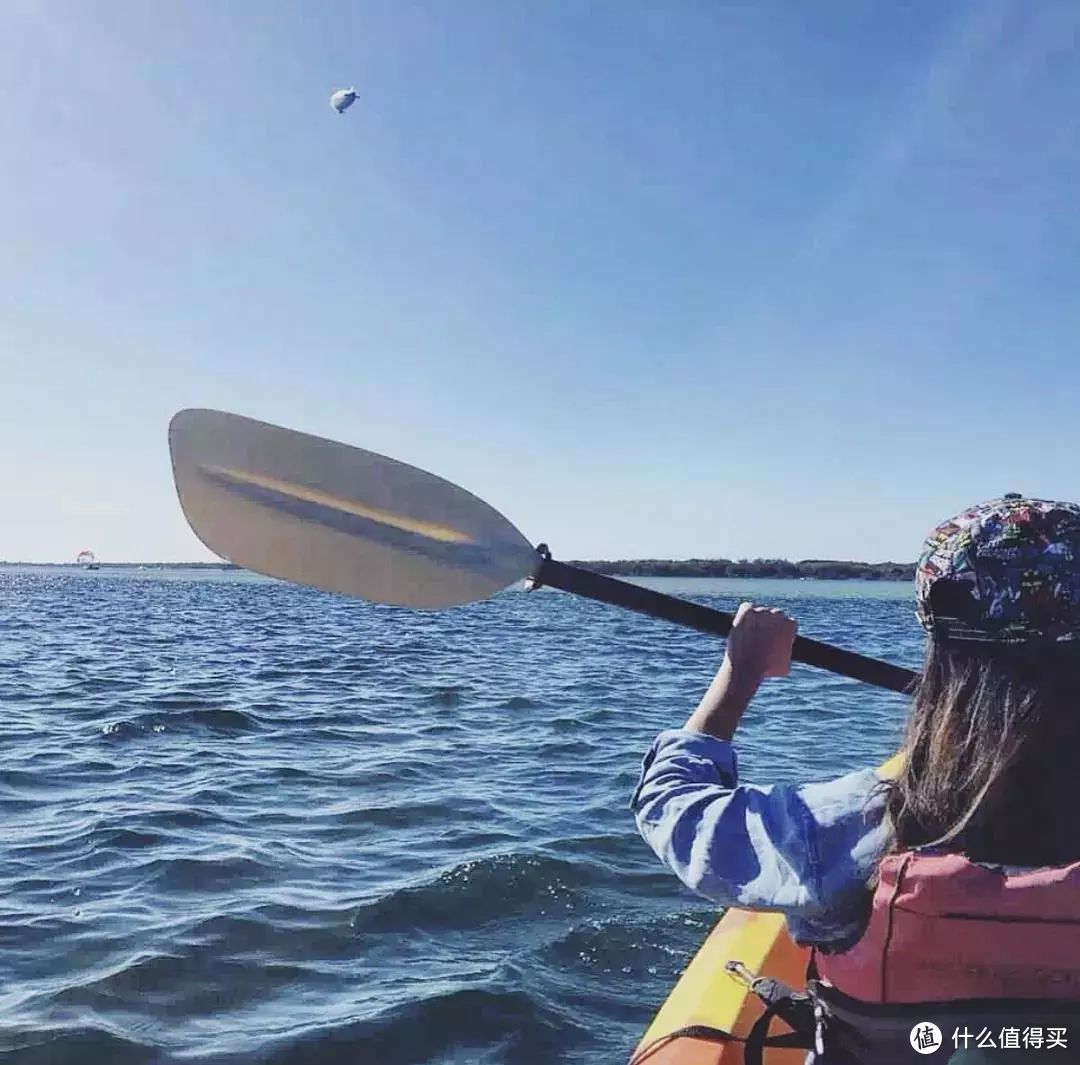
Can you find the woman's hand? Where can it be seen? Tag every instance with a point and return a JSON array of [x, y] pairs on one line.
[[758, 646]]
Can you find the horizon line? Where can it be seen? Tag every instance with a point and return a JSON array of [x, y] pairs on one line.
[[697, 560]]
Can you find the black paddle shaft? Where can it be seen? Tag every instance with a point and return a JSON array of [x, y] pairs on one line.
[[705, 619]]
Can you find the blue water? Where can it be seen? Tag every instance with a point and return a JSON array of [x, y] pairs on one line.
[[248, 822]]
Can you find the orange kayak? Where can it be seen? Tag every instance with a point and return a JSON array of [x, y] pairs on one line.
[[707, 994]]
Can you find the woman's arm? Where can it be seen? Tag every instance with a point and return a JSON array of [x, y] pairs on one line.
[[805, 850]]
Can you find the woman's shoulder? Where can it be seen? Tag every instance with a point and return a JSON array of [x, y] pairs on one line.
[[848, 839], [854, 802]]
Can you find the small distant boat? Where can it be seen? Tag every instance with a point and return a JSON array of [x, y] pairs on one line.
[[86, 559]]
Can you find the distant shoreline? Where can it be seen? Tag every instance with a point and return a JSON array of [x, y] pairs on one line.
[[815, 569]]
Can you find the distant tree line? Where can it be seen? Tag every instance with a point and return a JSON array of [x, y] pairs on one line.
[[821, 569]]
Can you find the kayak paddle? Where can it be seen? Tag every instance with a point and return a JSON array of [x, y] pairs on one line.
[[345, 520]]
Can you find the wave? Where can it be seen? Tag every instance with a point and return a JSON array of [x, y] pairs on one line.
[[657, 946], [212, 719], [182, 875], [76, 1046], [518, 702], [415, 814], [476, 893], [196, 983], [491, 1026], [451, 695]]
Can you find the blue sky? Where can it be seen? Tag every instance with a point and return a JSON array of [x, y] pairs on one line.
[[667, 278]]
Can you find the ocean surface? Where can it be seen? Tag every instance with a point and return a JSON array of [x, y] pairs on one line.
[[248, 822]]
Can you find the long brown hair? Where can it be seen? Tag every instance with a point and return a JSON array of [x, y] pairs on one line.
[[993, 755]]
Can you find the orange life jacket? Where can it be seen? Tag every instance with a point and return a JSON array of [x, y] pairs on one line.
[[943, 928]]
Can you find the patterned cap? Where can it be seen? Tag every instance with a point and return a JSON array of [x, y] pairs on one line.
[[1006, 571]]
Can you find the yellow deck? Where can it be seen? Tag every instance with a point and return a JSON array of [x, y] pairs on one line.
[[707, 994]]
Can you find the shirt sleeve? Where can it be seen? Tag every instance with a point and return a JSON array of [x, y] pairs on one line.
[[806, 851]]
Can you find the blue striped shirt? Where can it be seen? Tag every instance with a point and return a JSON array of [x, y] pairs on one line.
[[806, 851]]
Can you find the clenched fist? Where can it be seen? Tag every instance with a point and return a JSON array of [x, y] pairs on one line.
[[760, 642]]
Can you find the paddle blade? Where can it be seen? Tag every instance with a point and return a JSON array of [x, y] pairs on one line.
[[339, 518]]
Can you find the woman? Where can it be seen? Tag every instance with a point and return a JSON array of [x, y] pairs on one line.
[[958, 882]]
